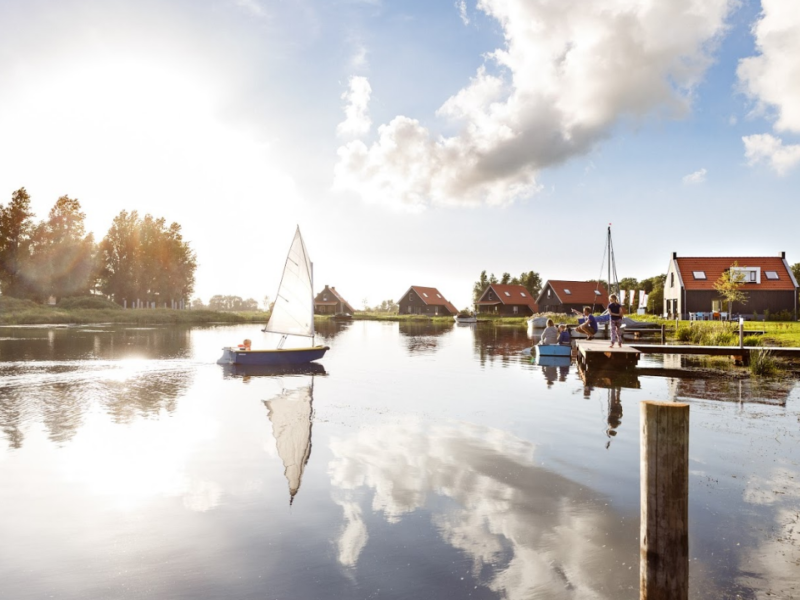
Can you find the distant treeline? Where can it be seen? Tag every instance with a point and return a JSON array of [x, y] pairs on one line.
[[140, 259], [531, 281]]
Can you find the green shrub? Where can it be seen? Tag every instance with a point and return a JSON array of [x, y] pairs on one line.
[[94, 302], [752, 340], [719, 338], [9, 304]]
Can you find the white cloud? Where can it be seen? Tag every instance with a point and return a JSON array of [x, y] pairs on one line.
[[562, 80], [357, 121], [461, 5], [696, 177], [766, 148], [772, 78]]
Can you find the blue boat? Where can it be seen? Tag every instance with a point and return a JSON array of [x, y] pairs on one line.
[[553, 350], [277, 357], [292, 315]]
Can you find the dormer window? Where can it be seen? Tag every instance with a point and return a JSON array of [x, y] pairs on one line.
[[700, 275], [771, 275]]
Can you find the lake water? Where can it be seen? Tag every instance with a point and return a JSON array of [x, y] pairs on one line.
[[414, 462]]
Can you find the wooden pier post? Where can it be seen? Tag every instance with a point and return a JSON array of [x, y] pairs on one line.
[[741, 332], [664, 535], [663, 333]]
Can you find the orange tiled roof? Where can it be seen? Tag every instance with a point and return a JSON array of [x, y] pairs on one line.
[[714, 266], [432, 297], [509, 294], [581, 292]]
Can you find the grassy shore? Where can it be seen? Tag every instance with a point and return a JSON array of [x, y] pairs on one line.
[[24, 312]]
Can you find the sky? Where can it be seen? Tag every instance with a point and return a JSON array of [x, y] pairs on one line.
[[414, 142]]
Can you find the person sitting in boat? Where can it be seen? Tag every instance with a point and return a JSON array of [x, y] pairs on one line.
[[564, 337], [549, 335], [245, 345], [589, 325]]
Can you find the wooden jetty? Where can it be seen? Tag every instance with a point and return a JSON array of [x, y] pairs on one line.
[[596, 354]]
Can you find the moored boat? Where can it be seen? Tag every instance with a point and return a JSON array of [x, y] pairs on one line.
[[553, 350], [465, 318]]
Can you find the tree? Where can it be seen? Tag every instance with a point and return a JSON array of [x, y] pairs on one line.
[[505, 279], [480, 286], [63, 252], [532, 282], [729, 286], [144, 259], [628, 283], [16, 228]]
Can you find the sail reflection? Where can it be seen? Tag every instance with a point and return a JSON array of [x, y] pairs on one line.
[[291, 413], [528, 532]]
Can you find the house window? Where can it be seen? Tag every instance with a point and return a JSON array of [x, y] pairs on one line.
[[424, 294], [324, 298], [699, 274], [523, 294], [410, 309], [672, 280], [516, 310], [771, 274], [436, 310], [438, 296], [566, 291], [597, 293], [548, 292], [490, 296], [507, 294], [752, 276]]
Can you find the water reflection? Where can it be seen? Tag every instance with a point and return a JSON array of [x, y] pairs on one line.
[[554, 368], [330, 328], [528, 532], [491, 342], [291, 413], [422, 336], [60, 394]]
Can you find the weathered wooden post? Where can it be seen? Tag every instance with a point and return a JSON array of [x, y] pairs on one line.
[[664, 534], [663, 333]]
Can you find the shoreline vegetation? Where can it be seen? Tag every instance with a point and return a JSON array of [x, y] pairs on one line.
[[80, 312]]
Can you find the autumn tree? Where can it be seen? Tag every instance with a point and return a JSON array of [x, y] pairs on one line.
[[16, 229], [144, 259]]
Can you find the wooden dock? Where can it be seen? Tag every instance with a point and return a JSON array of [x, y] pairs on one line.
[[596, 354]]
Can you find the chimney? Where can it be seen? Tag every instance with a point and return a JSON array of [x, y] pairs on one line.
[[783, 255], [674, 255]]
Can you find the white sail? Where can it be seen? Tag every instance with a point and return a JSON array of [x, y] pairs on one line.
[[290, 414], [293, 311]]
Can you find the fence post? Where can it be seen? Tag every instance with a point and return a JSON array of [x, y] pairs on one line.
[[663, 333], [741, 332], [664, 533]]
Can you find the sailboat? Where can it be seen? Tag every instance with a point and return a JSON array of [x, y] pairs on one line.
[[292, 315]]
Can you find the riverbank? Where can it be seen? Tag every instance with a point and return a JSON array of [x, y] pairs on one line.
[[23, 312]]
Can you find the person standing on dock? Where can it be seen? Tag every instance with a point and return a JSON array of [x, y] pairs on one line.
[[589, 325], [615, 314]]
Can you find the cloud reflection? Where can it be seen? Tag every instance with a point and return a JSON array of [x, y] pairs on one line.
[[539, 534]]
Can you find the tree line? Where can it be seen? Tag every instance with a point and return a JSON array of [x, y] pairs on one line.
[[140, 258], [531, 281]]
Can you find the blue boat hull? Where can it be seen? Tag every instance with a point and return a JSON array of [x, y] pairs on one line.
[[553, 350], [291, 356]]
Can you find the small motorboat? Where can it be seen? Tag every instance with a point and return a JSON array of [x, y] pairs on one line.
[[342, 317]]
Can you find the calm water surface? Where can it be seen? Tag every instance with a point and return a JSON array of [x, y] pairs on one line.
[[414, 462]]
